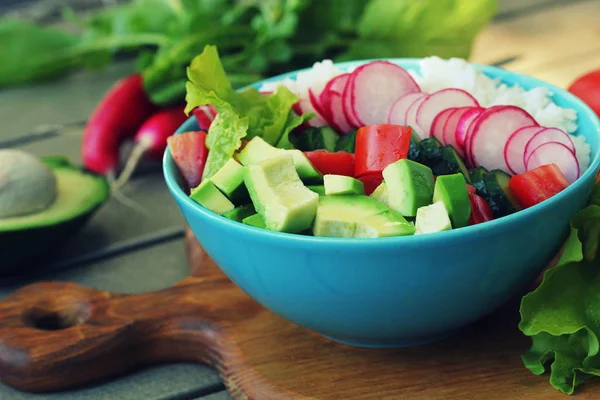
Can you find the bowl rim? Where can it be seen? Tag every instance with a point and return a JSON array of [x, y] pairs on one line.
[[487, 228]]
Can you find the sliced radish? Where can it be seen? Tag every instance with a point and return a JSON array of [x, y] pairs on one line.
[[490, 132], [306, 107], [297, 108], [411, 116], [397, 114], [337, 84], [450, 128], [547, 135], [334, 86], [437, 127], [347, 96], [338, 118], [439, 101], [375, 87], [462, 126], [316, 103], [555, 153], [514, 151]]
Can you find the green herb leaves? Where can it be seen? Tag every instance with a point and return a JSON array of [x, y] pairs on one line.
[[562, 315]]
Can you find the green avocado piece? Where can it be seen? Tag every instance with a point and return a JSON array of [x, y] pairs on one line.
[[257, 150], [208, 196], [358, 216], [255, 220], [79, 194], [239, 213], [432, 218], [381, 193], [279, 195], [452, 191], [230, 181], [319, 189], [409, 186], [341, 184]]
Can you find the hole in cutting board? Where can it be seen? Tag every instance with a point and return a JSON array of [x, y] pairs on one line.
[[56, 315]]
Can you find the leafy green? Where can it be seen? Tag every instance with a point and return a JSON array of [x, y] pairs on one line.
[[561, 314], [445, 28], [224, 137], [256, 38], [269, 116]]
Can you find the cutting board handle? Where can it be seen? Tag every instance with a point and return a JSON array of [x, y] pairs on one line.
[[58, 335]]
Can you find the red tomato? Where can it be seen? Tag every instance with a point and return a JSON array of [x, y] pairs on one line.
[[471, 189], [480, 209], [587, 88], [536, 185], [189, 152], [371, 181], [377, 146], [327, 162]]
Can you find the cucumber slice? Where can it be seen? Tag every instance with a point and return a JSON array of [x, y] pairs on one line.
[[315, 138], [451, 163], [347, 142], [498, 194], [430, 152], [476, 175]]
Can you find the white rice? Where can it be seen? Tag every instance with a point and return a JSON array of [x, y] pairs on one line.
[[437, 73]]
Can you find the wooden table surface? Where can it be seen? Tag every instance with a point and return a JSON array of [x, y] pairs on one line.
[[128, 251]]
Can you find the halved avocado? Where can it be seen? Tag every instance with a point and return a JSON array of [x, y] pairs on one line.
[[79, 194]]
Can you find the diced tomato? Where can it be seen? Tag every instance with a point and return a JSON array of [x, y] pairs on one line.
[[203, 117], [471, 189], [377, 146], [189, 152], [370, 182], [480, 209], [536, 185], [327, 162]]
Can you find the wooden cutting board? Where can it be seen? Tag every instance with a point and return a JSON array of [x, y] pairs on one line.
[[56, 335]]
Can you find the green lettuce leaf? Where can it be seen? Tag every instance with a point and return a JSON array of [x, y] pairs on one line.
[[407, 28], [267, 116], [562, 314], [224, 137]]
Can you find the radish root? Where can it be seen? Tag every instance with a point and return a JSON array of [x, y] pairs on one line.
[[122, 199], [134, 158]]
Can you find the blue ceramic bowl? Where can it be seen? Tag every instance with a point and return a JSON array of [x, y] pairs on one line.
[[395, 291]]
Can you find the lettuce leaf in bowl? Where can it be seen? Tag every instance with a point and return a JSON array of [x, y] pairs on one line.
[[562, 315], [241, 114]]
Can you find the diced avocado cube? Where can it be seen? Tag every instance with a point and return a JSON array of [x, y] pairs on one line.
[[432, 218], [230, 181], [358, 216], [381, 193], [452, 191], [255, 220], [409, 186], [257, 150], [341, 184], [319, 189], [239, 213], [208, 196], [279, 195]]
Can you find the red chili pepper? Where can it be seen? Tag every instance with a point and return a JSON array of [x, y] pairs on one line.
[[536, 185], [377, 146], [327, 162]]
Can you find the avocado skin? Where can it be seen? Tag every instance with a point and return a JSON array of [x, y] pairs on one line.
[[16, 246], [20, 249]]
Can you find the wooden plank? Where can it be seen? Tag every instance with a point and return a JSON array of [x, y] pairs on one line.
[[216, 396], [142, 271], [554, 45]]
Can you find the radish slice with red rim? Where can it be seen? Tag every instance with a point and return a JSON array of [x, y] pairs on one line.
[[334, 86], [439, 101], [397, 114], [555, 153], [462, 126], [437, 127], [338, 118], [450, 128], [374, 89], [411, 116], [337, 84], [347, 98], [306, 106], [490, 132], [316, 103], [514, 150], [547, 135]]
